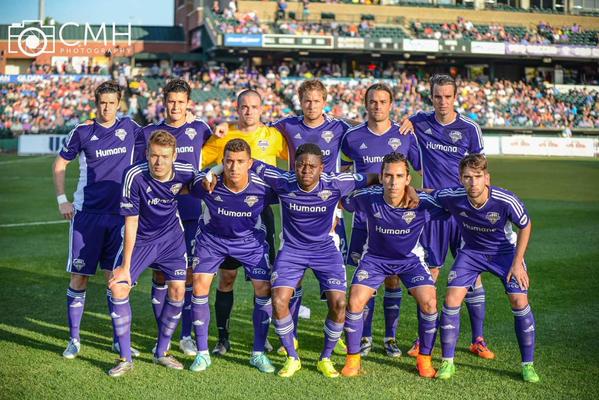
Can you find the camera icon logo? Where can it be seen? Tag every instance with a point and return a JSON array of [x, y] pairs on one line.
[[31, 37]]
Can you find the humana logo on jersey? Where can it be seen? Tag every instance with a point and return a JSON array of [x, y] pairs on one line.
[[389, 231], [478, 228], [111, 152], [185, 149], [442, 147], [301, 208], [230, 213], [372, 159]]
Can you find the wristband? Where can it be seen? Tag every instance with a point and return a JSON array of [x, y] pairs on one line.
[[209, 176], [61, 199]]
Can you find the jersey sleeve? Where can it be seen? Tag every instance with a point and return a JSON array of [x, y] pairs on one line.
[[347, 183], [355, 201], [433, 209], [443, 197], [140, 146], [72, 145], [346, 155], [196, 189], [206, 130], [516, 211], [276, 178], [130, 199], [476, 140], [414, 153]]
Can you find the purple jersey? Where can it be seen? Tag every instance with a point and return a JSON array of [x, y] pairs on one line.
[[154, 201], [307, 217], [104, 153], [444, 146], [393, 233], [191, 137], [489, 228], [234, 215], [327, 136]]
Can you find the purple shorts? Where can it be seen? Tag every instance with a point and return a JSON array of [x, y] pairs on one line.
[[168, 256], [356, 246], [327, 265], [439, 236], [251, 252], [373, 270], [470, 264], [190, 229], [93, 239], [340, 231]]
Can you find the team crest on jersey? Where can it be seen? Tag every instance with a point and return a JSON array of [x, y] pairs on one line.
[[455, 136], [251, 200], [78, 264], [394, 143], [191, 133], [408, 216], [361, 275], [176, 188], [263, 144], [325, 194], [120, 133], [493, 217], [327, 136]]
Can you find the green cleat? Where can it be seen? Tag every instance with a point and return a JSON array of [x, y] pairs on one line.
[[262, 362], [201, 363], [327, 368], [290, 367], [529, 374], [446, 371], [340, 348]]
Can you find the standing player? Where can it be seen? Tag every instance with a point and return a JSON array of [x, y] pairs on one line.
[[486, 215], [153, 236], [445, 137], [267, 145], [190, 137], [393, 249], [105, 148], [366, 145]]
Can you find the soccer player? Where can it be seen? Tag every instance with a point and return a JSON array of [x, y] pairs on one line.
[[267, 145], [393, 249], [153, 235], [190, 137], [105, 148], [366, 145], [231, 226], [486, 215], [308, 199], [445, 137]]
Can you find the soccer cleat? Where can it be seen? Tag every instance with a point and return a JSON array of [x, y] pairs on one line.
[[168, 361], [201, 362], [327, 367], [529, 374], [290, 367], [353, 365], [222, 347], [340, 348], [154, 348], [268, 347], [281, 350], [424, 365], [391, 348], [262, 362], [117, 349], [188, 346], [479, 347], [122, 367], [365, 346], [415, 349], [72, 349], [446, 371]]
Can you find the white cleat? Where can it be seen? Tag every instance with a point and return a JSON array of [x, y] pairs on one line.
[[188, 346], [72, 349]]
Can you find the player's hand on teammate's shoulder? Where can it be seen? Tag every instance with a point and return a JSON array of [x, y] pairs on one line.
[[189, 117], [209, 182], [221, 129], [119, 274], [66, 210], [406, 126], [412, 197], [518, 272]]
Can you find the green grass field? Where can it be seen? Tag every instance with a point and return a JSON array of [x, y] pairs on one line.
[[562, 196]]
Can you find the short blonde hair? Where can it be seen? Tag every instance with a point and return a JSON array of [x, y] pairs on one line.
[[163, 138], [312, 84]]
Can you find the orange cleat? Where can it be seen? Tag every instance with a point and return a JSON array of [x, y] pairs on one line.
[[415, 349], [479, 347], [424, 365], [353, 365]]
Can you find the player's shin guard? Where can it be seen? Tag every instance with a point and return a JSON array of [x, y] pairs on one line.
[[284, 328], [294, 308], [427, 332], [353, 331], [475, 302], [186, 314], [158, 298], [75, 306], [525, 332], [200, 316], [392, 308], [332, 333], [223, 305], [121, 321], [261, 319], [171, 314], [368, 314], [450, 330], [109, 298]]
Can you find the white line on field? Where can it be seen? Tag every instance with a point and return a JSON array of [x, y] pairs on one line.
[[62, 221]]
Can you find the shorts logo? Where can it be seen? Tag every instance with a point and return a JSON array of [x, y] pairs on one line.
[[273, 278], [361, 275], [180, 272], [394, 143], [333, 281], [176, 188], [126, 205], [258, 271], [493, 217], [195, 261], [191, 133], [120, 133], [452, 275], [417, 278], [263, 144], [455, 136], [325, 194], [78, 264], [408, 216], [355, 256], [513, 284], [251, 200], [327, 136]]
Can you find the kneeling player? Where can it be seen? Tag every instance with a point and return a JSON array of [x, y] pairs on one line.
[[486, 215], [393, 248]]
